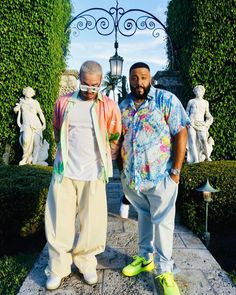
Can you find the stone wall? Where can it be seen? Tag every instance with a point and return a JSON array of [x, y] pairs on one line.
[[170, 80], [69, 82]]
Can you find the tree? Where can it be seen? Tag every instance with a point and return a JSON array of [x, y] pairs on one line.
[[124, 89], [110, 84]]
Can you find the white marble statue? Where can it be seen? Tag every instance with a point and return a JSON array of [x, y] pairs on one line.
[[199, 145], [31, 121]]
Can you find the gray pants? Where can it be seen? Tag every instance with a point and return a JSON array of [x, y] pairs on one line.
[[156, 215]]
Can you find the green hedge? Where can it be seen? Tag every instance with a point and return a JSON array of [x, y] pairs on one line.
[[32, 53], [13, 270], [23, 191], [222, 210], [204, 54]]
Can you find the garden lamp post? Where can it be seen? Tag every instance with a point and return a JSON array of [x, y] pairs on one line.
[[207, 191], [116, 61], [116, 65]]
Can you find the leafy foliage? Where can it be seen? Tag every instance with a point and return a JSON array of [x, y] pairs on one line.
[[232, 275], [205, 53], [110, 84], [23, 191], [124, 89], [221, 175], [13, 270], [32, 53]]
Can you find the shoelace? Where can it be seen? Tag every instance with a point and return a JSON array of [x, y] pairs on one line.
[[137, 260], [167, 279]]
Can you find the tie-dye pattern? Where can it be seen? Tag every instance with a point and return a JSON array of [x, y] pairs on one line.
[[148, 135], [106, 118]]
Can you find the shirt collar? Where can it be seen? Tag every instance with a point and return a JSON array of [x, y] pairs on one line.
[[150, 95]]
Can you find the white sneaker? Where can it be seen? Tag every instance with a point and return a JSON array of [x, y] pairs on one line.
[[53, 282], [91, 277], [124, 210]]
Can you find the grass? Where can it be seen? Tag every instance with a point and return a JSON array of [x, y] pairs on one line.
[[232, 275], [13, 270]]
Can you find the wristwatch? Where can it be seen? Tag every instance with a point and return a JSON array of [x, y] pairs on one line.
[[175, 171]]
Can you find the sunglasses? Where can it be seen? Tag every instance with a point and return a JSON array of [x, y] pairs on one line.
[[87, 88]]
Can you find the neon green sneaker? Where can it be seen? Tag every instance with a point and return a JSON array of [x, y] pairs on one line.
[[139, 264], [167, 282]]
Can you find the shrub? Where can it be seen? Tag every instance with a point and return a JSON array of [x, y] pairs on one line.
[[33, 45], [13, 270], [222, 210], [232, 275], [205, 54], [23, 191]]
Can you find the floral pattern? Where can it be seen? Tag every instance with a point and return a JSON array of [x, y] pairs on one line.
[[148, 134]]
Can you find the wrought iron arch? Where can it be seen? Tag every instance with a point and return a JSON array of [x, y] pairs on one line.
[[116, 20]]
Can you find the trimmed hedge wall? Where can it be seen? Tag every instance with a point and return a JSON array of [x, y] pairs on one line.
[[23, 192], [202, 34], [14, 270], [32, 53], [222, 210]]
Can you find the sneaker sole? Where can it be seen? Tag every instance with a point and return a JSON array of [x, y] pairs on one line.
[[148, 268], [91, 282], [53, 287]]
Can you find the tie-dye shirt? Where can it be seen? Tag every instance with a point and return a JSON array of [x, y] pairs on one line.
[[106, 119], [148, 134]]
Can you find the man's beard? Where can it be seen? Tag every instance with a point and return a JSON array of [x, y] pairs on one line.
[[137, 95]]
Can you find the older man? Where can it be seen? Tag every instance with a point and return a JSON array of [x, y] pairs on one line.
[[87, 127], [153, 149]]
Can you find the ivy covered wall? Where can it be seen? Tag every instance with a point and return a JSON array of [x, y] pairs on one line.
[[202, 33], [33, 46]]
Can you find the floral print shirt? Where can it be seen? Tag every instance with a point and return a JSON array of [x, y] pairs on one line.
[[148, 135]]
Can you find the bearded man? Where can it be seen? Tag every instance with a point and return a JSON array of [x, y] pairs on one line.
[[153, 149]]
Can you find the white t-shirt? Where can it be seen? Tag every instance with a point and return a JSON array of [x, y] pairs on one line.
[[84, 158]]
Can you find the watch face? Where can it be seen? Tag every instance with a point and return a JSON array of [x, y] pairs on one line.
[[175, 171]]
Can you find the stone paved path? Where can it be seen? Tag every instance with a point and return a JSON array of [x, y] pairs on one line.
[[199, 274]]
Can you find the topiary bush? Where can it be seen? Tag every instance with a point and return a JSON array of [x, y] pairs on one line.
[[33, 46], [13, 270], [205, 54], [222, 210], [23, 192]]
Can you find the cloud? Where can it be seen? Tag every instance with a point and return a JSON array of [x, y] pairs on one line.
[[140, 47], [103, 50]]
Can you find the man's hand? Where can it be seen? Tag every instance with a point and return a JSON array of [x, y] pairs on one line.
[[175, 178]]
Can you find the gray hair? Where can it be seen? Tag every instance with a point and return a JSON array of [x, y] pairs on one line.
[[90, 66]]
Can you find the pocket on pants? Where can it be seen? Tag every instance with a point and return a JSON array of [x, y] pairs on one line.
[[171, 180], [122, 176]]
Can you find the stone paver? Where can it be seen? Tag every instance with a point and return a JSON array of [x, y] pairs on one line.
[[199, 273]]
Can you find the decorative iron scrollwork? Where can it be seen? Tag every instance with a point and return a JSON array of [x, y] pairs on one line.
[[116, 19]]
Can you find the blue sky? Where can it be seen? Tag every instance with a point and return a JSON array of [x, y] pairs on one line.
[[142, 46]]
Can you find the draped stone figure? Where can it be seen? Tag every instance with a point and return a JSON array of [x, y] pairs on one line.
[[199, 145], [31, 122]]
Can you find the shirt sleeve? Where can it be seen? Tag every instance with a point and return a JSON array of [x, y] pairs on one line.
[[114, 131], [56, 121], [174, 112]]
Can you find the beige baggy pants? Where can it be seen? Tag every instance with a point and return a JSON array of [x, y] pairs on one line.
[[67, 202]]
